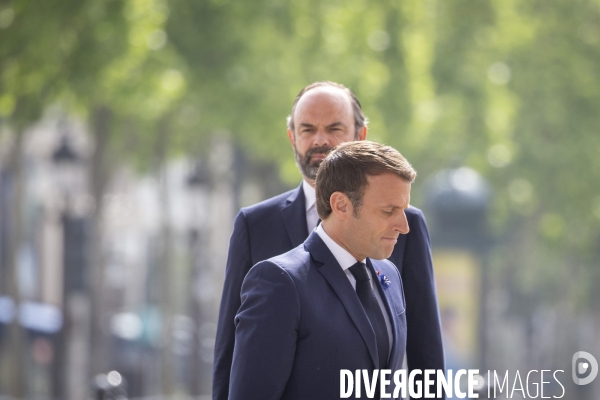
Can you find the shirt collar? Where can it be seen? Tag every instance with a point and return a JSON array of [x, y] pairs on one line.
[[310, 196], [342, 256]]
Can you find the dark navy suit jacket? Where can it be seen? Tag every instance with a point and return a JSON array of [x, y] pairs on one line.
[[277, 225], [301, 322]]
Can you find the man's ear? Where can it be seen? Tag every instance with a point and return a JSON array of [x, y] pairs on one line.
[[340, 205], [362, 133], [291, 137]]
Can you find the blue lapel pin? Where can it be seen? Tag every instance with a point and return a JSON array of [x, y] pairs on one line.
[[385, 281]]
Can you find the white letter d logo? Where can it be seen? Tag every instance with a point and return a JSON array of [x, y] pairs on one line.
[[581, 367]]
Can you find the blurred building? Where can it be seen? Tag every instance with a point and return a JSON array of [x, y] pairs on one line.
[[138, 276]]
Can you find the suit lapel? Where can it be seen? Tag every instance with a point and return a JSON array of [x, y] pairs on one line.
[[338, 280], [294, 217]]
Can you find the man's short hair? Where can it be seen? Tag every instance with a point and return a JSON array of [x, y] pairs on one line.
[[347, 167], [359, 118]]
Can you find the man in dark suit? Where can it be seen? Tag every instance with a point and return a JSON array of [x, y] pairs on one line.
[[325, 306], [324, 115]]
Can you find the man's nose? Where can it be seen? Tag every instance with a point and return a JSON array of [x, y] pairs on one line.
[[321, 138], [401, 224]]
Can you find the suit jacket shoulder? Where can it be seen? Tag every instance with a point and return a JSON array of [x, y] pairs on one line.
[[275, 225], [294, 260], [266, 206]]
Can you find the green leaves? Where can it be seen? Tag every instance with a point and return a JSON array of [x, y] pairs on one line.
[[510, 88]]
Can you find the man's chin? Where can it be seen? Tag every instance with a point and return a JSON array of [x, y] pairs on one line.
[[310, 173], [384, 254]]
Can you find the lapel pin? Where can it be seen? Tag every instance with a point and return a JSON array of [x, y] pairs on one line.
[[385, 281]]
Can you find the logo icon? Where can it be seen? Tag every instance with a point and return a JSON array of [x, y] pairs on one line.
[[581, 367]]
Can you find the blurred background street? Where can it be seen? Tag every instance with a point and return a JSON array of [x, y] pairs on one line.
[[132, 131]]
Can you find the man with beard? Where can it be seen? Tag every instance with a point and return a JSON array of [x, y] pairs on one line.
[[324, 115]]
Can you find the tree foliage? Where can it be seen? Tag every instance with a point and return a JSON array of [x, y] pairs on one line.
[[508, 88]]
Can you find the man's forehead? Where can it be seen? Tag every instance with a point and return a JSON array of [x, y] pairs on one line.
[[324, 94], [390, 183], [386, 176], [394, 195]]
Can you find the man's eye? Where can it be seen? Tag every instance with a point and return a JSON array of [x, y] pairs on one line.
[[387, 212]]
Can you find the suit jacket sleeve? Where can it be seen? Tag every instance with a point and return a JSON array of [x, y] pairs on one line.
[[424, 340], [266, 334], [238, 264]]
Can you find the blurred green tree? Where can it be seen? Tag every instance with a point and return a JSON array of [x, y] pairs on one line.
[[510, 89]]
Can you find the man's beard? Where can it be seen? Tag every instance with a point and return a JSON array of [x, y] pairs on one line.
[[307, 167]]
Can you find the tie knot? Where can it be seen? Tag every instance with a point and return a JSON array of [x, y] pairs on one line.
[[359, 271]]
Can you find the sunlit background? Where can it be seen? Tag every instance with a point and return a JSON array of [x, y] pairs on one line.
[[132, 131]]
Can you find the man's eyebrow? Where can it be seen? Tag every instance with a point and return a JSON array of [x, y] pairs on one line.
[[332, 125], [405, 206], [335, 124]]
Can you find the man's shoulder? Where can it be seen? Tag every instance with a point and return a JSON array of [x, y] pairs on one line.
[[292, 267], [414, 212], [416, 220], [270, 204], [293, 260]]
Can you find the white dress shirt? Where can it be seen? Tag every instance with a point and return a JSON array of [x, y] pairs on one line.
[[311, 206], [346, 260]]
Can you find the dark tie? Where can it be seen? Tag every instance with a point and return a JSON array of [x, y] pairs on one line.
[[367, 297]]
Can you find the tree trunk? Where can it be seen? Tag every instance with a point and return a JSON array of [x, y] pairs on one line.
[[166, 303], [13, 369], [99, 173]]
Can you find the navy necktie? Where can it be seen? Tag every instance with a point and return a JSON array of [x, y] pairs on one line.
[[366, 295]]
